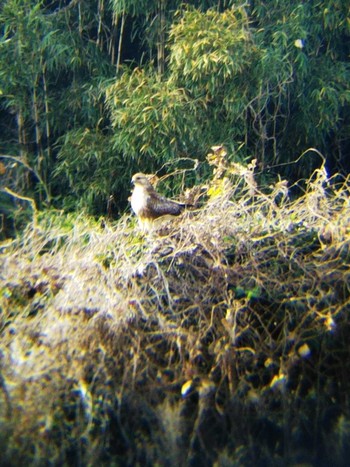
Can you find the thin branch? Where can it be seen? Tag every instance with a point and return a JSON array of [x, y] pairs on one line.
[[20, 161]]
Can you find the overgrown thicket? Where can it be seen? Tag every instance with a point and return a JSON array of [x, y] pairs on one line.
[[91, 92], [221, 336]]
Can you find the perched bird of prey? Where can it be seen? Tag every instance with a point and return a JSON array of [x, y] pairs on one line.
[[149, 205]]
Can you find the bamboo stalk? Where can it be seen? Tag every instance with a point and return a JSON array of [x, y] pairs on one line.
[[121, 32], [111, 44], [161, 38], [99, 40]]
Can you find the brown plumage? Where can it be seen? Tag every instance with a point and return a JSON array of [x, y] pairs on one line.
[[149, 205]]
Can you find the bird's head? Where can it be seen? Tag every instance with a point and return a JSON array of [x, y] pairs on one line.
[[141, 179]]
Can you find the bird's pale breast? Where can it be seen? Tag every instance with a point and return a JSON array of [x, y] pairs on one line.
[[138, 200]]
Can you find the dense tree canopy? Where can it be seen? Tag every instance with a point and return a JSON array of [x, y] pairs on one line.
[[91, 91]]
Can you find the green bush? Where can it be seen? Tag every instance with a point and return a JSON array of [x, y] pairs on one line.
[[153, 120]]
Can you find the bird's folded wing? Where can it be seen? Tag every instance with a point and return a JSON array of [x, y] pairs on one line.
[[162, 206]]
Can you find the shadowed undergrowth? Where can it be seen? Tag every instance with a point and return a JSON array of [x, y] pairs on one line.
[[221, 337]]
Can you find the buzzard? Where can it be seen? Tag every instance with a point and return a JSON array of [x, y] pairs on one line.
[[149, 205]]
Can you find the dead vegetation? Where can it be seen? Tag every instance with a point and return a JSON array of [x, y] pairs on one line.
[[221, 338]]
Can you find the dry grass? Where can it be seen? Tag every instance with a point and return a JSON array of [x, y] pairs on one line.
[[222, 337]]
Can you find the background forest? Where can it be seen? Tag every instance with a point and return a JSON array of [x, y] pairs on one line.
[[92, 91]]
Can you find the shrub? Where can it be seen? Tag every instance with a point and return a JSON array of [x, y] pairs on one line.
[[223, 336]]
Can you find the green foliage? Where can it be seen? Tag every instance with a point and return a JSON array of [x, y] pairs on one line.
[[132, 7], [211, 55], [304, 73], [87, 164], [26, 42], [267, 79], [47, 70], [210, 51], [151, 118]]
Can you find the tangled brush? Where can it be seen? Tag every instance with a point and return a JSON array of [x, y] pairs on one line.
[[222, 337]]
